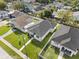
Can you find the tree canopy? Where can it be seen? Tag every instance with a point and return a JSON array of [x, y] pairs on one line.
[[17, 5], [2, 4]]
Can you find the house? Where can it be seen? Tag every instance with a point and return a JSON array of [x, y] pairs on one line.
[[9, 6], [58, 5], [67, 40], [37, 6], [3, 14], [40, 30], [28, 8], [67, 7], [76, 15], [56, 14], [34, 27], [15, 13], [23, 21]]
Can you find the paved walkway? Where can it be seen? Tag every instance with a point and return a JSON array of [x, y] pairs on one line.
[[4, 54], [3, 23], [60, 55], [26, 44]]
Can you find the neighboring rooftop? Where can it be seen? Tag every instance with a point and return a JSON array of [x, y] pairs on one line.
[[23, 20], [16, 13], [70, 34]]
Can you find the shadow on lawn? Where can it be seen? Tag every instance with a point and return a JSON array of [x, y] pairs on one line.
[[42, 43], [56, 50], [18, 32]]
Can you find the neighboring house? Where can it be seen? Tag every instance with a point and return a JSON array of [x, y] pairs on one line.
[[38, 6], [67, 7], [29, 1], [15, 13], [23, 21], [58, 5], [56, 14], [9, 6], [28, 8], [36, 28], [76, 15], [3, 14], [48, 6], [67, 40]]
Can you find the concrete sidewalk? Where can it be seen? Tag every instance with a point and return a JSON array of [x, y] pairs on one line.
[[4, 54], [14, 49], [3, 23]]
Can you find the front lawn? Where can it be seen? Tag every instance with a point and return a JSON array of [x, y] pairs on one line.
[[4, 29], [17, 39], [13, 54], [32, 50]]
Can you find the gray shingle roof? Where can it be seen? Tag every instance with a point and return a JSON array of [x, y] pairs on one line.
[[74, 35], [68, 33], [42, 28]]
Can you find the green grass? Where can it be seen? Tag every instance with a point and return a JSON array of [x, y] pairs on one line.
[[9, 51], [51, 53], [73, 57], [4, 29], [16, 39], [32, 50]]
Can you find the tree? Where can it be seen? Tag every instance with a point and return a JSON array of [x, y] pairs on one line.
[[47, 13], [18, 5], [2, 4], [44, 1], [66, 16]]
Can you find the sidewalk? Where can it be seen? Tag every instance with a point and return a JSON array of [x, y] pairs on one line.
[[3, 23], [14, 49], [4, 54]]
